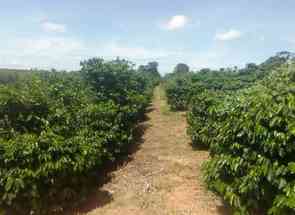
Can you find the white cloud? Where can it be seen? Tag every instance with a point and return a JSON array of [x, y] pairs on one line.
[[66, 53], [232, 34], [176, 22], [44, 52], [53, 27], [48, 45]]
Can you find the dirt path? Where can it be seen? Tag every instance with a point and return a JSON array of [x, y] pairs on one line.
[[163, 177]]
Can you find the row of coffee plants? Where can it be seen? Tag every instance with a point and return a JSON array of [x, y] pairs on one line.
[[252, 148], [250, 135], [203, 117], [182, 86], [57, 128], [178, 90], [246, 120]]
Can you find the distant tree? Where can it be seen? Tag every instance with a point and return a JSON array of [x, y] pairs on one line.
[[251, 66], [181, 68], [150, 71], [141, 68], [205, 70], [152, 66]]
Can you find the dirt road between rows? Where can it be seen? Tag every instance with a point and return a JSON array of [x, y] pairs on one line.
[[163, 177]]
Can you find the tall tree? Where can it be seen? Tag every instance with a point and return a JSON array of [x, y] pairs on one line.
[[181, 68], [150, 71]]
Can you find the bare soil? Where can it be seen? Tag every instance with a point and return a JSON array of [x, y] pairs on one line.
[[163, 176]]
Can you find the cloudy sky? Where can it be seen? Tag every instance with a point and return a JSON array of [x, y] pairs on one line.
[[61, 33]]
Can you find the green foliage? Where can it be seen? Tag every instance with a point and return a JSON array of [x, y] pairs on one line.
[[251, 138], [178, 93], [181, 87], [8, 76], [150, 72], [56, 128], [203, 117], [181, 68], [253, 148], [246, 119]]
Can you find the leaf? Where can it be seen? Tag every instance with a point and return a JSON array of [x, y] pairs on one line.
[[9, 184], [291, 167]]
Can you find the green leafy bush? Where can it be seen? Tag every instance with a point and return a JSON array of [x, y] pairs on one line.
[[245, 117], [56, 128], [181, 87], [203, 117], [178, 93], [252, 148]]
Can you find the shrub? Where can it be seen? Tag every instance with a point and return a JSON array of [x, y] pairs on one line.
[[203, 117], [178, 93], [56, 128], [252, 164]]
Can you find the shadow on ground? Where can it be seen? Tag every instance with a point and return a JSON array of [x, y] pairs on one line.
[[224, 209], [199, 147], [94, 200], [96, 196]]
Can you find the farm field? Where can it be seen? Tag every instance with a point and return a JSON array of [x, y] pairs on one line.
[[58, 130], [113, 138], [245, 119], [162, 177], [125, 107]]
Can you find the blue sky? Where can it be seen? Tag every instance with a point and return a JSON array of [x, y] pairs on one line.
[[61, 33]]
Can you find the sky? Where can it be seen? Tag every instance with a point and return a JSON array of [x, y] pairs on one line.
[[213, 33]]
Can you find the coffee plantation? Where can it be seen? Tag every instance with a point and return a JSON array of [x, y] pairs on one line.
[[245, 118], [182, 87], [57, 128], [252, 163]]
